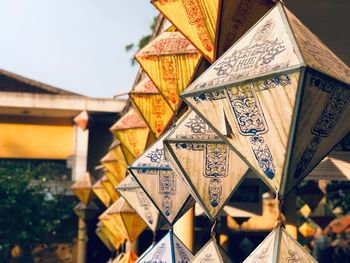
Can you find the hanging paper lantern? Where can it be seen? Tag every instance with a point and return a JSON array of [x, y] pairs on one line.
[[115, 164], [83, 120], [164, 187], [281, 117], [108, 237], [211, 252], [129, 222], [279, 247], [129, 257], [170, 61], [132, 131], [82, 188], [213, 26], [305, 211], [112, 223], [169, 249], [152, 106], [86, 212], [213, 171], [132, 192], [109, 188], [118, 258], [101, 193]]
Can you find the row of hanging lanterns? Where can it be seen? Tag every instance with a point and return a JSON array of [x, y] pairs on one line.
[[274, 101]]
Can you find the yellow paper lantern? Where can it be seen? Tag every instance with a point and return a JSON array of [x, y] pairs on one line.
[[101, 193], [82, 188]]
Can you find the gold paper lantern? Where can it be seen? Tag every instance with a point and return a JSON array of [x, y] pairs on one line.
[[101, 193], [213, 26], [109, 188], [129, 222], [83, 120], [108, 237], [152, 106], [86, 212], [133, 133], [170, 61], [82, 188], [279, 97]]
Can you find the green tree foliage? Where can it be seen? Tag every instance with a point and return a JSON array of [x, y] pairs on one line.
[[31, 213]]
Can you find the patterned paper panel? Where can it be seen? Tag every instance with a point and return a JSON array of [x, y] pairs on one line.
[[315, 53], [196, 19], [255, 119], [170, 61], [118, 163], [152, 106], [236, 18], [266, 48], [112, 239], [323, 122], [211, 252], [169, 249], [132, 131], [132, 192], [291, 251], [211, 168], [164, 187], [129, 222], [112, 223], [279, 247]]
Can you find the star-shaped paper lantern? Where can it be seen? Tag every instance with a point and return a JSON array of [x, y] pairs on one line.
[[211, 252], [164, 187], [279, 97], [82, 188], [132, 132], [279, 247], [170, 61], [133, 193], [169, 249], [108, 186], [213, 26], [111, 241], [129, 222], [152, 106], [212, 170]]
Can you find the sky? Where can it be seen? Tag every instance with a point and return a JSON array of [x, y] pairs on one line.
[[77, 45]]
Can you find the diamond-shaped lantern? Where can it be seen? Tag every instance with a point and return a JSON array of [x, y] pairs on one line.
[[109, 188], [112, 223], [133, 133], [322, 214], [170, 61], [212, 170], [133, 193], [129, 222], [169, 249], [82, 188], [101, 193], [152, 106], [279, 97], [308, 228], [115, 163], [86, 212], [162, 184], [211, 252], [213, 26], [83, 120], [107, 237], [279, 247]]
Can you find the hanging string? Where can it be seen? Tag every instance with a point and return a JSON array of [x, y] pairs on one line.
[[279, 202], [154, 238], [212, 230]]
